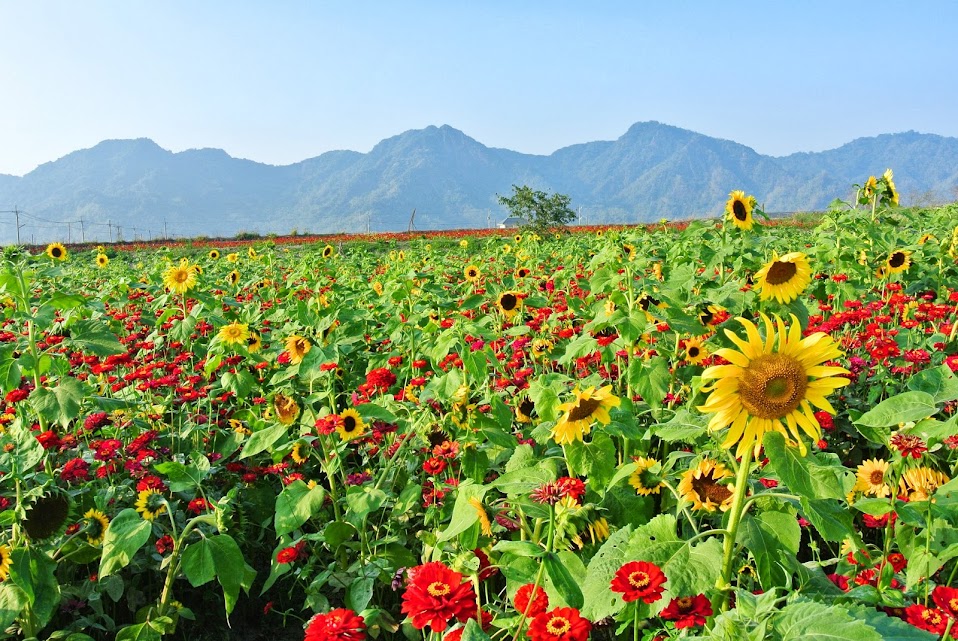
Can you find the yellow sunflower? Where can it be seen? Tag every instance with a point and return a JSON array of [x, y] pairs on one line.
[[96, 523], [485, 525], [232, 258], [694, 352], [870, 185], [298, 347], [6, 561], [646, 478], [328, 251], [150, 504], [587, 407], [921, 482], [234, 333], [102, 260], [286, 409], [628, 250], [251, 252], [872, 478], [300, 451], [541, 347], [891, 192], [509, 303], [739, 209], [524, 409], [784, 278], [898, 261], [214, 254], [350, 425], [768, 383], [522, 272], [472, 273], [700, 486], [180, 278], [233, 277], [253, 343], [56, 251]]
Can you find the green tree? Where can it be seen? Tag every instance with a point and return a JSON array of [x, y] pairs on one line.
[[537, 209]]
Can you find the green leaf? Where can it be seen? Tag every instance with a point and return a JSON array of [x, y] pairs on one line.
[[904, 407], [9, 369], [563, 581], [94, 336], [682, 427], [519, 548], [939, 382], [598, 600], [650, 378], [772, 538], [62, 403], [230, 568], [198, 563], [126, 534], [802, 474], [362, 501], [464, 515], [181, 478], [26, 451], [138, 632], [262, 440], [595, 459], [361, 593], [831, 518], [32, 571], [295, 505], [812, 621]]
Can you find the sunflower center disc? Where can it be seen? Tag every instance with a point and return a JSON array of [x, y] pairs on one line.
[[780, 272], [877, 477], [772, 386], [584, 409], [739, 211], [897, 259]]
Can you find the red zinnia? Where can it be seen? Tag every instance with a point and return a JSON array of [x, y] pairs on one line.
[[291, 554], [436, 594], [381, 379], [639, 580], [946, 598], [336, 625], [561, 624], [687, 611], [531, 607], [931, 619]]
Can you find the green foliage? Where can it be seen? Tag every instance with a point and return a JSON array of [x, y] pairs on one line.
[[539, 211]]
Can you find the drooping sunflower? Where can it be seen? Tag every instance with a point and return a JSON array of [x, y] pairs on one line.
[[47, 516], [898, 261], [870, 185], [579, 414], [739, 210], [694, 352], [233, 277], [150, 504], [646, 478], [772, 384], [56, 251], [234, 333], [102, 260], [524, 410], [286, 409], [253, 343], [328, 251], [251, 252], [96, 524], [6, 561], [921, 482], [300, 451], [180, 278], [700, 486], [298, 347], [214, 254], [891, 192], [472, 273], [872, 479], [784, 277], [509, 303], [350, 425]]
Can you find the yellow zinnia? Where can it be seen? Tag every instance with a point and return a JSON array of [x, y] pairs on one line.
[[771, 385], [784, 278], [587, 407]]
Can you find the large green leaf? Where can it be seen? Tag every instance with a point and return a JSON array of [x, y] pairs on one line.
[[595, 460], [94, 336], [181, 478], [830, 517], [32, 571], [12, 601], [231, 569], [125, 535], [464, 515], [901, 408], [812, 621], [940, 382], [772, 538], [295, 505], [9, 369], [60, 404], [650, 378], [198, 566], [598, 600], [263, 440], [803, 474], [563, 581]]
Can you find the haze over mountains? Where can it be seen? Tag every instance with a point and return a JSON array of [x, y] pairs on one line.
[[652, 171]]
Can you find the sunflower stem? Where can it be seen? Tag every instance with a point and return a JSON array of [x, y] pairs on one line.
[[736, 511]]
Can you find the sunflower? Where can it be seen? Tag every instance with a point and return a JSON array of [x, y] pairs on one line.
[[694, 352], [588, 406], [524, 410], [509, 303], [56, 251], [898, 261], [96, 524], [300, 451], [350, 425], [6, 561], [251, 252], [378, 288], [233, 277], [700, 486], [891, 193], [472, 273], [517, 238], [766, 384], [298, 347], [739, 209], [921, 482], [286, 409], [328, 251], [102, 260], [253, 343], [926, 238], [47, 515], [872, 478], [522, 272], [784, 278], [232, 258], [646, 478], [180, 278], [214, 254], [628, 250], [234, 333], [485, 525], [541, 347], [870, 185], [150, 504]]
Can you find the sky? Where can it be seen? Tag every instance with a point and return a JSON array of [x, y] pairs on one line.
[[279, 82]]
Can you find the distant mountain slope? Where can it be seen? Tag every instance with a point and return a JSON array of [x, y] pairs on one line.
[[451, 180]]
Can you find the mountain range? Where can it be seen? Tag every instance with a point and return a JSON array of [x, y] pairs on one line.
[[136, 189]]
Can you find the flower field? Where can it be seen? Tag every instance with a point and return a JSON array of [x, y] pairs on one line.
[[724, 429]]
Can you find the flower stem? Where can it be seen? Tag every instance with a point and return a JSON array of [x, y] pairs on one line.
[[736, 512]]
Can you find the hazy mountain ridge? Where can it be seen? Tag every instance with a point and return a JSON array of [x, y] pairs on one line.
[[451, 180]]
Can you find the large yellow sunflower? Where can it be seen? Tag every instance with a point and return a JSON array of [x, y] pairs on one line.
[[898, 261], [509, 303], [588, 406], [5, 562], [102, 260], [234, 333], [96, 523], [180, 278], [739, 209], [56, 251], [298, 347], [472, 273], [350, 425], [784, 277], [872, 478], [772, 384], [921, 482], [700, 486]]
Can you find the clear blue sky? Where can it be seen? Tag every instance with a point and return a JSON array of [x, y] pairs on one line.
[[278, 82]]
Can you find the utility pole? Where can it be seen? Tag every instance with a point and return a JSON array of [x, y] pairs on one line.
[[16, 212], [82, 235], [109, 226], [69, 232]]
